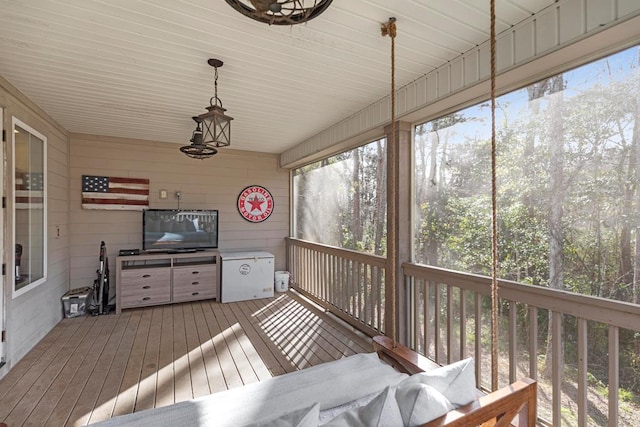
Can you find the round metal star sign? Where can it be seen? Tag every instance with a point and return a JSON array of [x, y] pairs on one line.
[[255, 203]]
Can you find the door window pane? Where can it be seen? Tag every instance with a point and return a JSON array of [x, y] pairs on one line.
[[29, 207]]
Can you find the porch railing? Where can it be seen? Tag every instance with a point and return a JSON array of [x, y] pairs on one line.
[[349, 284], [550, 335], [449, 316]]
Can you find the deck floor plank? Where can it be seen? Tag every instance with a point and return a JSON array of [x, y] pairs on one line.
[[260, 370], [54, 392], [126, 399], [279, 314], [32, 376], [93, 368], [88, 399], [62, 411], [146, 397], [229, 370], [215, 378], [238, 356], [107, 397], [281, 338], [180, 359], [276, 362], [199, 381], [31, 358], [165, 386]]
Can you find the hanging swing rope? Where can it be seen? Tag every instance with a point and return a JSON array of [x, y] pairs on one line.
[[494, 210], [389, 29]]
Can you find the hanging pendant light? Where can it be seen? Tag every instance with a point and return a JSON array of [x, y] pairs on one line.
[[198, 149], [216, 124], [280, 12]]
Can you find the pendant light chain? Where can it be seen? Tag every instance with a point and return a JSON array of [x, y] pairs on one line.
[[215, 100], [389, 29], [494, 210]]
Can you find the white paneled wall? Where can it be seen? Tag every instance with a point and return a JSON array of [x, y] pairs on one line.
[[213, 183], [31, 315], [562, 25]]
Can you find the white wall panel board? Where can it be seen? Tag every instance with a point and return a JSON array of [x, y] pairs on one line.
[[547, 36], [504, 50], [599, 13], [444, 78], [524, 39], [484, 55], [385, 110], [471, 67], [626, 7], [432, 86], [412, 95], [401, 100], [377, 116], [457, 73], [421, 91]]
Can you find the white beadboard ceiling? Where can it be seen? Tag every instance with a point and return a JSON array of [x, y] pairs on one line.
[[138, 68]]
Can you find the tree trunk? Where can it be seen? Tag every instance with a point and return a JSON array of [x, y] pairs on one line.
[[557, 189], [381, 199], [431, 247], [355, 182]]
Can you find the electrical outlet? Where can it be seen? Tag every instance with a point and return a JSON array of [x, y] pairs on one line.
[[163, 194]]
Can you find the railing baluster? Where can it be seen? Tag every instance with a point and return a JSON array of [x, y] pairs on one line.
[[450, 325], [427, 316], [513, 323], [478, 332], [533, 342], [436, 316], [582, 372], [557, 364], [614, 372], [463, 324], [414, 316]]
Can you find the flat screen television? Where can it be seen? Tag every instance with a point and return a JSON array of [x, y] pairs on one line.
[[179, 229]]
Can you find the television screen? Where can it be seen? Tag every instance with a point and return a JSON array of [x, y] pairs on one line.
[[179, 229]]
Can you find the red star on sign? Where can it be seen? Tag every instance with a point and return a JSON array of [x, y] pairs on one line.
[[256, 203]]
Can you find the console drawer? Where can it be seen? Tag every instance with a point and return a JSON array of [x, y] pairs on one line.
[[194, 283], [145, 286]]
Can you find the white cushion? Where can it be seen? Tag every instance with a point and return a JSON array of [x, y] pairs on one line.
[[421, 403], [457, 381], [305, 417], [382, 411]]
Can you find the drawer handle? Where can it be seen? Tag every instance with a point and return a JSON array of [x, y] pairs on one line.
[[146, 275], [146, 287], [195, 293], [195, 283], [195, 272], [146, 298]]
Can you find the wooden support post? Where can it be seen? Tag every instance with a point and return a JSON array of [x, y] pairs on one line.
[[401, 223]]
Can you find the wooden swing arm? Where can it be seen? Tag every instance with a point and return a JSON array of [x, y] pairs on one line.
[[513, 405]]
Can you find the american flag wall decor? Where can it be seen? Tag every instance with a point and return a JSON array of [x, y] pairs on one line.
[[29, 190], [111, 193]]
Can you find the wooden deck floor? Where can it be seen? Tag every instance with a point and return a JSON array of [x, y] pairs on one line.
[[92, 368]]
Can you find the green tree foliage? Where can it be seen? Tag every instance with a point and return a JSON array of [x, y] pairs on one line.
[[568, 194]]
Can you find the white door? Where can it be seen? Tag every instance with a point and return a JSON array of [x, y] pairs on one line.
[[3, 239]]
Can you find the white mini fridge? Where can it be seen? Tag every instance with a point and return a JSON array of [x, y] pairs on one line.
[[246, 275]]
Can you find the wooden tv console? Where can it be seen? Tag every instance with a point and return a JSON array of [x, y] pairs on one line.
[[165, 278]]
